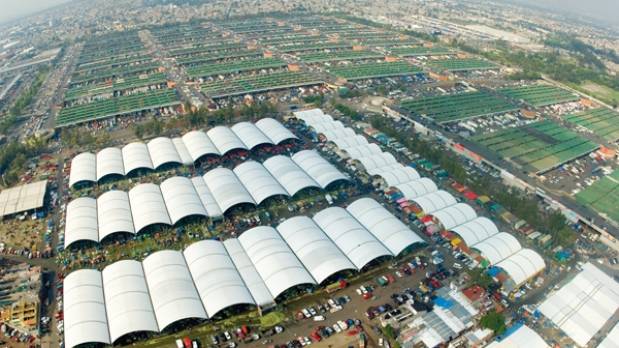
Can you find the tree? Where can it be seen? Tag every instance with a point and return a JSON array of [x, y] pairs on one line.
[[481, 278], [493, 321], [389, 332]]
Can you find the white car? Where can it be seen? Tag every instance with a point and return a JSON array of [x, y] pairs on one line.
[[337, 328], [359, 292]]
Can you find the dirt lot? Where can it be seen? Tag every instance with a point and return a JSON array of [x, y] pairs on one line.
[[22, 234]]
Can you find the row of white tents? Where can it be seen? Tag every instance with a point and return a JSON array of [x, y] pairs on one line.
[[210, 196], [186, 150], [499, 248], [209, 276]]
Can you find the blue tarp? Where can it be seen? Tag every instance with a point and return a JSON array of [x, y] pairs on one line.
[[494, 271], [511, 330], [443, 303]]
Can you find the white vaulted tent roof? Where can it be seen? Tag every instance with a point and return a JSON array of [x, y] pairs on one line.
[[289, 174], [323, 172], [109, 161], [434, 201], [199, 144], [397, 176], [254, 282], [114, 213], [498, 247], [250, 135], [312, 116], [327, 126], [83, 168], [317, 252], [584, 305], [388, 229], [377, 161], [275, 262], [343, 133], [225, 140], [210, 276], [359, 245], [182, 151], [147, 206], [226, 188], [171, 286], [476, 230], [217, 279], [275, 130], [206, 196], [127, 300], [162, 151], [258, 181], [363, 150], [522, 265], [455, 215], [81, 221], [85, 319], [344, 143], [417, 188], [181, 198], [136, 156]]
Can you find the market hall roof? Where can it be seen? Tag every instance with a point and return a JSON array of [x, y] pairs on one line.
[[210, 276], [185, 150], [210, 195]]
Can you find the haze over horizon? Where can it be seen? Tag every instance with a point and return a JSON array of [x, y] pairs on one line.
[[604, 10], [15, 10]]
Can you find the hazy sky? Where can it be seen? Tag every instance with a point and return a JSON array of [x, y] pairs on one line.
[[607, 10], [12, 9]]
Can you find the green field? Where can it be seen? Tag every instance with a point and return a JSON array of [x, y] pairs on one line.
[[455, 107], [537, 147], [461, 64], [258, 83], [234, 67], [603, 196], [374, 70], [338, 55], [539, 95], [603, 122], [420, 51], [116, 106], [119, 84]]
